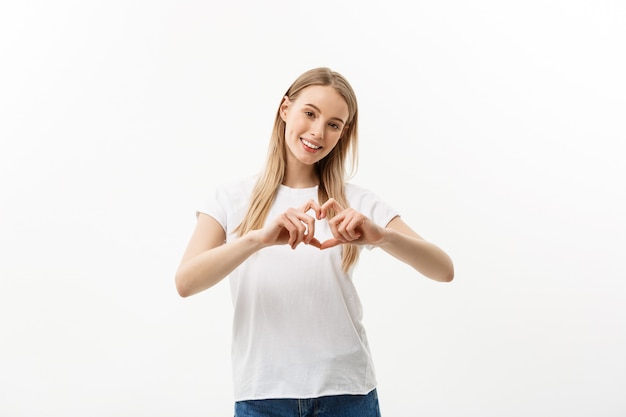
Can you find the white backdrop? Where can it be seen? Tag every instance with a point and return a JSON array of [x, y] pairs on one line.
[[496, 128]]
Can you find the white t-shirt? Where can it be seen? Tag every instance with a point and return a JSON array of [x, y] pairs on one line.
[[297, 330]]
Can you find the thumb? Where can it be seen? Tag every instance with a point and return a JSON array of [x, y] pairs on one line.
[[330, 243]]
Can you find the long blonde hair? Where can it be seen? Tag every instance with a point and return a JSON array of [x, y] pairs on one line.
[[332, 169]]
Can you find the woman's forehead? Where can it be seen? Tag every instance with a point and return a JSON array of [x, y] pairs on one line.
[[326, 98]]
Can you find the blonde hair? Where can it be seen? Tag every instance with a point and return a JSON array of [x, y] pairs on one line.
[[332, 169]]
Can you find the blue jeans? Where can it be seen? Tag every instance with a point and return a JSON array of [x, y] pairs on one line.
[[330, 406]]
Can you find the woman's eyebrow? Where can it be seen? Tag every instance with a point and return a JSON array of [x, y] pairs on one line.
[[319, 111]]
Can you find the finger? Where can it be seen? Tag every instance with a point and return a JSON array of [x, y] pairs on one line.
[[309, 229], [312, 205], [331, 204], [308, 222], [296, 229], [334, 224], [330, 243], [351, 228], [315, 242], [286, 224], [305, 225], [339, 226], [344, 232]]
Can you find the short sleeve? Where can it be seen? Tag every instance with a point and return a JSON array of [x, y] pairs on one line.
[[227, 203], [371, 205], [216, 206]]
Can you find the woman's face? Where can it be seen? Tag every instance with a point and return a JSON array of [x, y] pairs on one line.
[[314, 123]]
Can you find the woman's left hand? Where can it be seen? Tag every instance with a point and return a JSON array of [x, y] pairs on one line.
[[348, 226]]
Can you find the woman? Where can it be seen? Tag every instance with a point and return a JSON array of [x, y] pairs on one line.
[[288, 240]]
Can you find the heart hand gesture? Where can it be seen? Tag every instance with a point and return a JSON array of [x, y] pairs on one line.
[[349, 226], [295, 226], [292, 227]]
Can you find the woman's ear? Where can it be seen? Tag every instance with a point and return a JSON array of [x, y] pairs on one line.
[[284, 107]]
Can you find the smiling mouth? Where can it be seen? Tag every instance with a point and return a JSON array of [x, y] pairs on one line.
[[309, 144]]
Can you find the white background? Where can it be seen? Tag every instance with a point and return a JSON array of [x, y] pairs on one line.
[[496, 129]]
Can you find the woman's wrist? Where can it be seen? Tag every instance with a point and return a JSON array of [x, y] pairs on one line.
[[386, 237], [253, 238]]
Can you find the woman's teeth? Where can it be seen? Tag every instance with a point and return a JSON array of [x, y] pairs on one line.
[[309, 144]]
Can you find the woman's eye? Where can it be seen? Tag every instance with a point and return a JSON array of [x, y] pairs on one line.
[[309, 113], [334, 125]]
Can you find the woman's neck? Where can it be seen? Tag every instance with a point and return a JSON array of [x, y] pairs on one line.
[[304, 177]]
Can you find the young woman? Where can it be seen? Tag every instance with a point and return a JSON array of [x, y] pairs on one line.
[[288, 239]]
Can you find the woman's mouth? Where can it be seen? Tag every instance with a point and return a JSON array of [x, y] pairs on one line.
[[310, 145]]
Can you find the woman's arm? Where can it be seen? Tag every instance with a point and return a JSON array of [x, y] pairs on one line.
[[400, 241], [207, 259], [397, 239]]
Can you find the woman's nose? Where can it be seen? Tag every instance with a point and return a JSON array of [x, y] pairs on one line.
[[317, 129]]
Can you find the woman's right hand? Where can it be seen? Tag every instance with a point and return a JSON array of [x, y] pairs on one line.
[[209, 258], [292, 227]]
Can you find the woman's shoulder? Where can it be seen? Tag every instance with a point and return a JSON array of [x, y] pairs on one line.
[[356, 190], [237, 185], [232, 192], [359, 195], [370, 203]]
